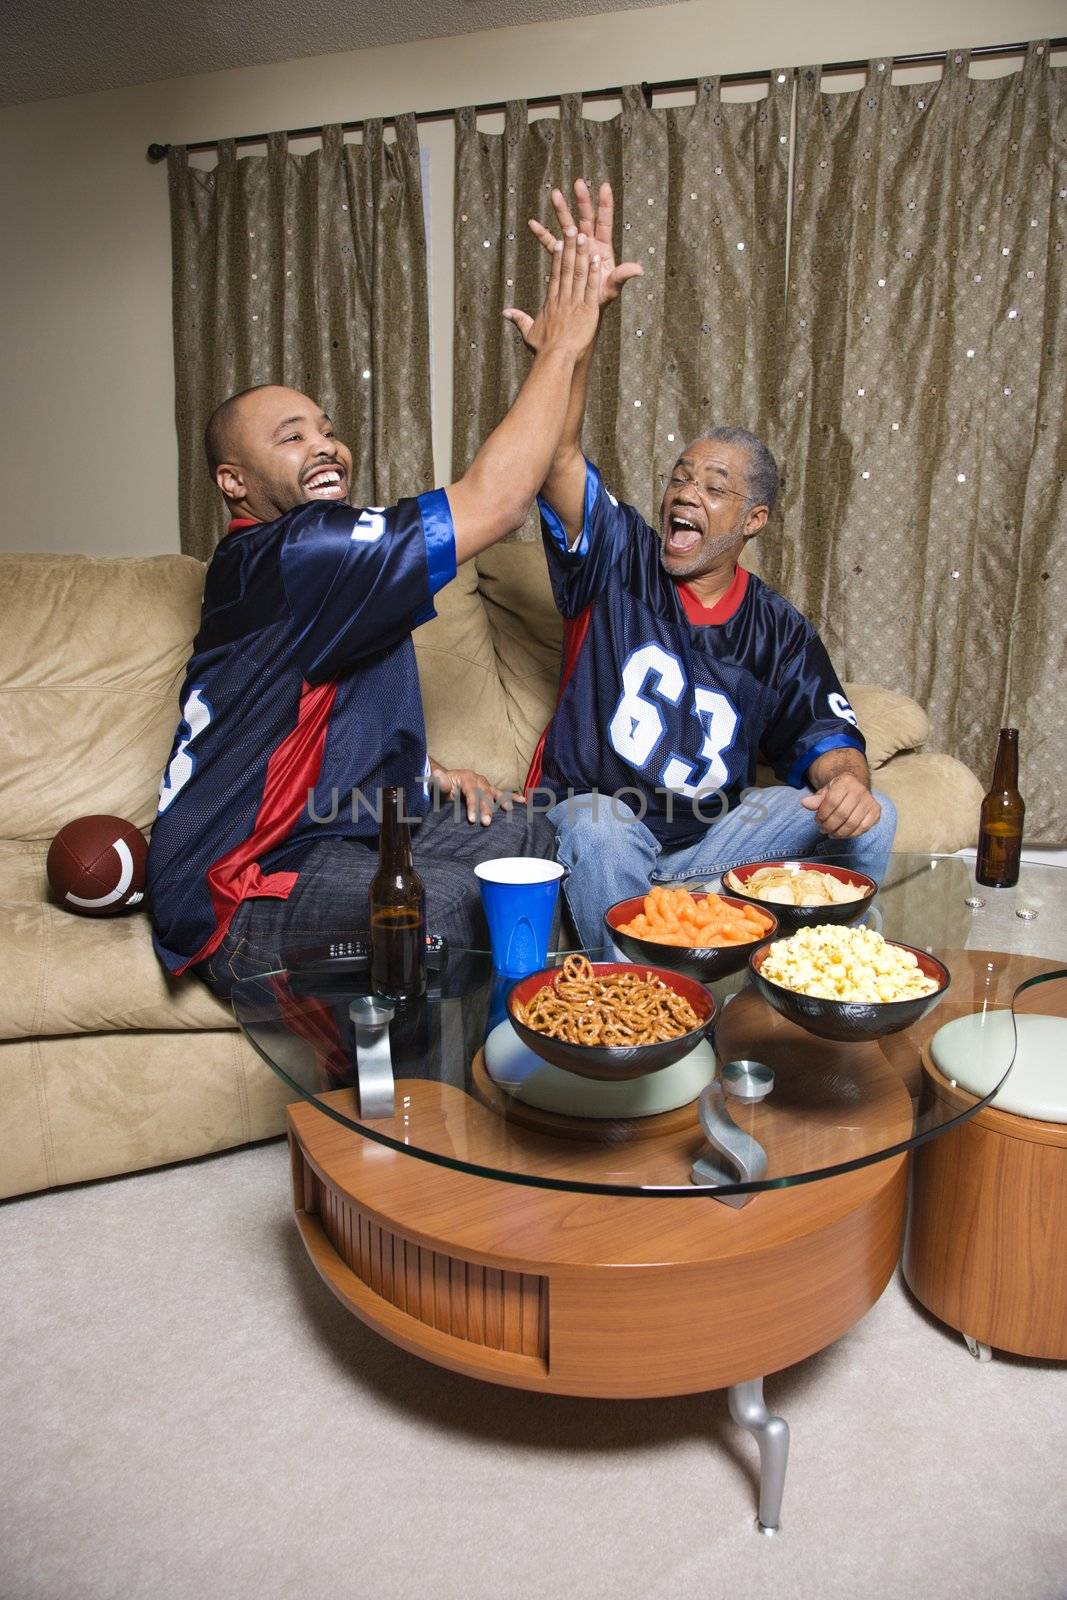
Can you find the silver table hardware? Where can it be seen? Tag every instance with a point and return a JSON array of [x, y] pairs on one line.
[[744, 1160], [771, 1433], [371, 1016], [737, 1158]]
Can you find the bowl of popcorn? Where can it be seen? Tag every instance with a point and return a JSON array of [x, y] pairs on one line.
[[848, 984], [802, 894]]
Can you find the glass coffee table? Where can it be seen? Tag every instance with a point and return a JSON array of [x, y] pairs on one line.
[[694, 1229]]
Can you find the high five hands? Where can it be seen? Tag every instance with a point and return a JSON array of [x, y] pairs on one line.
[[568, 319], [594, 226]]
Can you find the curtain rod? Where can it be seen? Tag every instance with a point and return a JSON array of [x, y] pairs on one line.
[[158, 152]]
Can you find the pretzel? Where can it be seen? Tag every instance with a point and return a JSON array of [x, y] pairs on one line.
[[622, 1010]]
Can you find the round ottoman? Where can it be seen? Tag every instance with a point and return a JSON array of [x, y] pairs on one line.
[[986, 1244]]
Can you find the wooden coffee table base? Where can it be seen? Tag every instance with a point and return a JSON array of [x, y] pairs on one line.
[[584, 1294]]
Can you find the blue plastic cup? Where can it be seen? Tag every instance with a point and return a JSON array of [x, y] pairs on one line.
[[519, 894]]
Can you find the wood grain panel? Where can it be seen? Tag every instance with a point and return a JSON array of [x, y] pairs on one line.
[[985, 1243], [461, 1299], [590, 1327]]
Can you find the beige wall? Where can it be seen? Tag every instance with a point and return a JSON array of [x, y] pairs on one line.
[[87, 448]]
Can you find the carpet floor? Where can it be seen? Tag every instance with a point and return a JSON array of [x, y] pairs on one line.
[[186, 1412]]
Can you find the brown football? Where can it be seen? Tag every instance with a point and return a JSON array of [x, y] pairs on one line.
[[96, 866]]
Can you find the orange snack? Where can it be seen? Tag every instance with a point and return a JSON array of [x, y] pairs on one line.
[[674, 916]]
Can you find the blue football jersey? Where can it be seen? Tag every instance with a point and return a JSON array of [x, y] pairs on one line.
[[301, 696], [668, 712]]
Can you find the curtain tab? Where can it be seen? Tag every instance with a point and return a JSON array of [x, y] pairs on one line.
[[957, 64], [277, 149], [780, 81], [1037, 58], [516, 121], [879, 72], [708, 92], [570, 108], [407, 133], [633, 100], [373, 130], [227, 154], [333, 138], [810, 79], [465, 119]]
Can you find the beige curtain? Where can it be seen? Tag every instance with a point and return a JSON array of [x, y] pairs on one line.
[[700, 201], [308, 271], [912, 384], [923, 417]]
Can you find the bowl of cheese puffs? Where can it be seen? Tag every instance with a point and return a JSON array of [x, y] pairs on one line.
[[848, 984], [802, 894], [700, 935]]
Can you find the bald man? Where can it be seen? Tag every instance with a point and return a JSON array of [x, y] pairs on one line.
[[301, 701]]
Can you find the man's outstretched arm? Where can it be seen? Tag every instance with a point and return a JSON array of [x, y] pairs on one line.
[[564, 485], [494, 494]]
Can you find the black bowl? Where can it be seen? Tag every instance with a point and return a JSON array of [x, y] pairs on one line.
[[790, 918], [851, 1021], [613, 1063], [704, 964]]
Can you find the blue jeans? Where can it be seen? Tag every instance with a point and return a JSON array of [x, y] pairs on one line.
[[329, 898], [610, 855]]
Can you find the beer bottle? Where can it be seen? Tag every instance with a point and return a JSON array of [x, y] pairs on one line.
[[397, 909], [1000, 833]]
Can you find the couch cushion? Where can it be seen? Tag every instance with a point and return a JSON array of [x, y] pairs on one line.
[[22, 870], [888, 721], [527, 635], [937, 800], [467, 722], [94, 653], [88, 1107], [68, 974]]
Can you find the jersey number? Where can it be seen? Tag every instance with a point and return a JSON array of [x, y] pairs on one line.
[[196, 714], [637, 725], [369, 525], [841, 708]]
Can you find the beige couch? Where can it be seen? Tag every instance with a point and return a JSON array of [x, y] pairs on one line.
[[106, 1064]]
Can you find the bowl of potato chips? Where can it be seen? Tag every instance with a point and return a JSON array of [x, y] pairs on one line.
[[802, 894], [848, 984]]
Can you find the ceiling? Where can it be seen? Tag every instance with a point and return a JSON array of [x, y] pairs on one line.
[[60, 47]]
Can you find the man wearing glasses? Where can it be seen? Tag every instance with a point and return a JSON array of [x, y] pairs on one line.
[[680, 668]]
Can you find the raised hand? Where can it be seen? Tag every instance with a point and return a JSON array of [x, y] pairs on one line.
[[596, 224], [568, 319]]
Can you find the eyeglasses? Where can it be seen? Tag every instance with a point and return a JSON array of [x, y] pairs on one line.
[[679, 480]]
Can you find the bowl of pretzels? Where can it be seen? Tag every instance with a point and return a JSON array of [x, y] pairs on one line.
[[609, 1019]]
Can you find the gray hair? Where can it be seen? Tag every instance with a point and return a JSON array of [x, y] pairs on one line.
[[762, 476]]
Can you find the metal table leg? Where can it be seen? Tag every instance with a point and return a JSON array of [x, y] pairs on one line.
[[771, 1433], [980, 1351], [372, 1056]]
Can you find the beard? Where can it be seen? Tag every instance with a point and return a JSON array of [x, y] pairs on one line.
[[694, 563]]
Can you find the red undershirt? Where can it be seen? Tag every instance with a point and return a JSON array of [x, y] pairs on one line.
[[725, 605]]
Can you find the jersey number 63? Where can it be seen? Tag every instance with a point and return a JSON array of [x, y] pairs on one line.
[[637, 726]]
